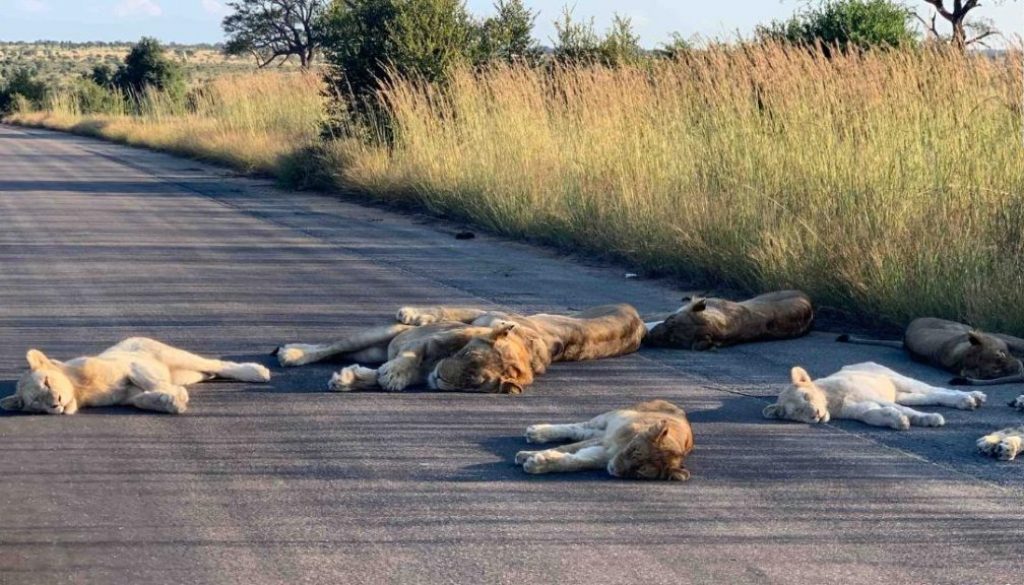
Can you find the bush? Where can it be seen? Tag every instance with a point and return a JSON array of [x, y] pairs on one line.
[[579, 44], [507, 36], [22, 84], [147, 66], [846, 23]]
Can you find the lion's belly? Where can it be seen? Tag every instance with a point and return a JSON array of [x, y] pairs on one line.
[[859, 387]]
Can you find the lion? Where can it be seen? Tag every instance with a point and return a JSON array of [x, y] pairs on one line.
[[870, 393], [704, 323], [139, 372], [649, 440], [976, 358], [470, 349]]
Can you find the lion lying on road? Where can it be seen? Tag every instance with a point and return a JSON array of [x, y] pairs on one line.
[[870, 393], [139, 372], [707, 323], [472, 350], [649, 440], [977, 358]]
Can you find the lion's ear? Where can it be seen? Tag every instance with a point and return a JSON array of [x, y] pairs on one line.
[[510, 387], [771, 411], [661, 432], [13, 402], [698, 305], [800, 376], [974, 337], [501, 330], [37, 359]]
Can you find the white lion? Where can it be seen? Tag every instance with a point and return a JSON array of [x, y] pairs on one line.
[[1007, 443], [870, 393], [138, 372]]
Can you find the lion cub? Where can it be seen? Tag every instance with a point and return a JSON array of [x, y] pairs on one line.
[[139, 372], [870, 393], [649, 440]]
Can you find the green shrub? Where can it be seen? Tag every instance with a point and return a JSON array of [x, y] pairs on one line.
[[23, 84], [846, 23]]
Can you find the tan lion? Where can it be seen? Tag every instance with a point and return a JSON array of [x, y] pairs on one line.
[[139, 372], [471, 350], [977, 358], [870, 393], [703, 324], [650, 440]]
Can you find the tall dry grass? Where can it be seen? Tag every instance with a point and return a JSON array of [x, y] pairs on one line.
[[891, 183], [251, 122], [888, 182]]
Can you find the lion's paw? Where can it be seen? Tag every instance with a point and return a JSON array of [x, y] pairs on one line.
[[293, 354], [540, 462], [414, 316], [931, 420], [536, 434], [522, 456], [987, 444], [253, 372], [174, 403], [343, 380], [1018, 403], [971, 400], [901, 423], [394, 377]]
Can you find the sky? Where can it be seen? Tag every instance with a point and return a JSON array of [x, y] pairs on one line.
[[192, 21]]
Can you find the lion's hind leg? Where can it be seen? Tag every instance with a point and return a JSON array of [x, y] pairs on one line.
[[942, 397], [1004, 444], [548, 433], [189, 368]]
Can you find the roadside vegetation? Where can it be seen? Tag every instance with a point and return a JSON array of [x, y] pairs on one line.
[[886, 178]]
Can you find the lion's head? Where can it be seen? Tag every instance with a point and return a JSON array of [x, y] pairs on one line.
[[988, 357], [803, 401], [657, 453], [501, 362], [691, 327], [44, 388]]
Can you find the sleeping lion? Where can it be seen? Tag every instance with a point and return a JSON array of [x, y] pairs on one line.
[[870, 393], [1007, 443], [138, 372], [977, 358], [703, 324], [650, 440], [471, 350]]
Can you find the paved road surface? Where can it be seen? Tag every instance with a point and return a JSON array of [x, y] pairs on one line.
[[288, 484]]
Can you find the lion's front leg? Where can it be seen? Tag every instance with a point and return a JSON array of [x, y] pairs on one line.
[[561, 461], [1005, 444], [354, 377], [169, 399], [426, 315]]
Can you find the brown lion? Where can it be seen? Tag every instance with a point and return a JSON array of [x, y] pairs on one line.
[[977, 358], [703, 324], [650, 440], [472, 350]]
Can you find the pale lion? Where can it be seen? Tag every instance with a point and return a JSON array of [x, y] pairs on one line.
[[473, 350], [1005, 444], [978, 358], [703, 324], [650, 440], [870, 393], [138, 372]]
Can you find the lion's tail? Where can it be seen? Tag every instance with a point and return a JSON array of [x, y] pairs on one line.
[[847, 338]]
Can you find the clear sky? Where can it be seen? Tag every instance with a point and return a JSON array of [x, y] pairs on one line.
[[190, 21]]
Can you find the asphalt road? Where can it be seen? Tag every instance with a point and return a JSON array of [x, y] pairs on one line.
[[286, 483]]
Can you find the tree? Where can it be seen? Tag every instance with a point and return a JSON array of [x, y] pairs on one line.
[[102, 75], [579, 43], [146, 65], [508, 36], [846, 23], [620, 46], [275, 29], [364, 40], [956, 15]]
